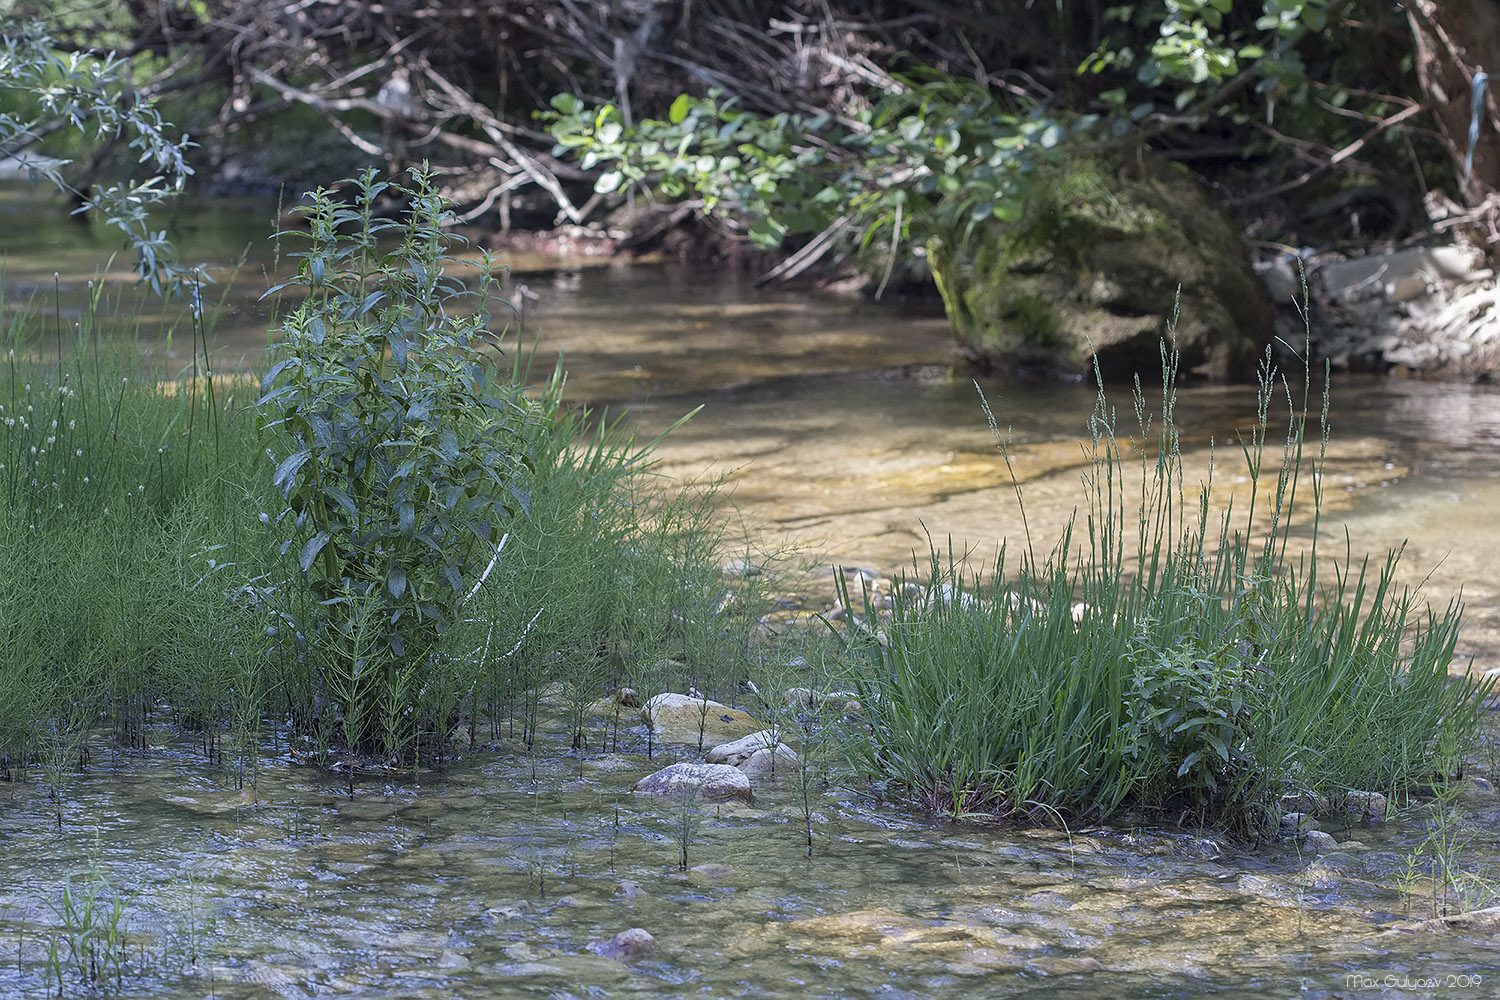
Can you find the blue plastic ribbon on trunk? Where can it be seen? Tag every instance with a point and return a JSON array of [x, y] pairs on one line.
[[1476, 115]]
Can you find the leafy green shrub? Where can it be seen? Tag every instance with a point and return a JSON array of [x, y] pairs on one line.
[[43, 87], [1189, 708], [931, 160], [400, 451]]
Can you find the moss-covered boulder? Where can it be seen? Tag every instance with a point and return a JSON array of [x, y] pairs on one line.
[[1094, 267]]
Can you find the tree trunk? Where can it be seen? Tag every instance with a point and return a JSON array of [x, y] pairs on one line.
[[1455, 39]]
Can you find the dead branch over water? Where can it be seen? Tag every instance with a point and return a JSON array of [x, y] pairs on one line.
[[407, 80]]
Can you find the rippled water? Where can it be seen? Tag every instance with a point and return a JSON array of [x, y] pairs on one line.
[[847, 432], [494, 879]]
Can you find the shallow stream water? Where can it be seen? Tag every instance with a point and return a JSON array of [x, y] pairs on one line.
[[848, 434], [495, 878]]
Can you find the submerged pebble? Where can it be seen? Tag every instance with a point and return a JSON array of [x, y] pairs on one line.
[[627, 946]]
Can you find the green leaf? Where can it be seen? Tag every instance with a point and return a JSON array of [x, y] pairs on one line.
[[342, 500], [609, 132], [286, 473], [310, 550], [608, 181], [679, 109], [568, 104], [276, 370], [1009, 210], [767, 233], [371, 301]]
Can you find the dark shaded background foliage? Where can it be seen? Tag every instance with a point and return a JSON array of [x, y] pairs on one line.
[[1318, 113]]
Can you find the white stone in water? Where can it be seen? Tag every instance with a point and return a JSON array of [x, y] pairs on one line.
[[1294, 803], [1301, 822], [801, 698], [741, 568], [742, 748], [708, 782], [695, 721], [769, 763], [1366, 803], [943, 593]]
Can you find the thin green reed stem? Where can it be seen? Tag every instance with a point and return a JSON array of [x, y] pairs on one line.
[[195, 311], [57, 320], [208, 371], [12, 454]]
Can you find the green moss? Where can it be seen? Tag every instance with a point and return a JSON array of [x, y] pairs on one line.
[[1096, 263]]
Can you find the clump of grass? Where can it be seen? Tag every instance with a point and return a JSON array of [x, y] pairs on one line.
[[612, 580], [121, 501], [1208, 667], [91, 938]]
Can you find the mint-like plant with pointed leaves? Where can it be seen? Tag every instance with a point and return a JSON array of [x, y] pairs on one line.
[[398, 442]]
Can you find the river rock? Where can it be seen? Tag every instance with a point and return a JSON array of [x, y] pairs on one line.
[[1298, 822], [1366, 803], [627, 946], [741, 569], [1094, 268], [508, 911], [708, 782], [712, 873], [740, 749], [625, 698], [767, 763], [695, 721], [925, 597], [1319, 842], [800, 699], [1300, 802]]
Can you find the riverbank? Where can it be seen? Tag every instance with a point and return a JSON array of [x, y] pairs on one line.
[[1419, 312]]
